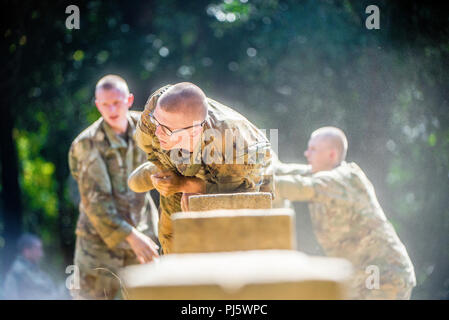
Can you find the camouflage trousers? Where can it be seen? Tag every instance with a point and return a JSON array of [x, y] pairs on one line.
[[169, 205], [98, 269], [390, 287], [165, 233]]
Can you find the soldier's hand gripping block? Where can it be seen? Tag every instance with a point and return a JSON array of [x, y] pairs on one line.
[[233, 230], [245, 200], [258, 275]]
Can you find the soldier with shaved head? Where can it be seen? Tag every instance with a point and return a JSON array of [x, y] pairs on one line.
[[196, 145], [347, 218], [115, 224]]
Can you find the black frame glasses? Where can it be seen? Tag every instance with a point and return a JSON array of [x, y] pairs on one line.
[[167, 130]]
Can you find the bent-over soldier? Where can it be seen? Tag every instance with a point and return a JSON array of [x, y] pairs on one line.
[[196, 145]]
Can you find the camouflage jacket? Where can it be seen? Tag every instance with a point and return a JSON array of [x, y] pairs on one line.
[[233, 156], [25, 280], [347, 218], [284, 169], [101, 161]]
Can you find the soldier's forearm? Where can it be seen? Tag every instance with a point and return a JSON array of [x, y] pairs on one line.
[[193, 185], [284, 169], [102, 214]]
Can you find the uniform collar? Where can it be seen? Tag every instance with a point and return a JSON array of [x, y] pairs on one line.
[[200, 146], [115, 140]]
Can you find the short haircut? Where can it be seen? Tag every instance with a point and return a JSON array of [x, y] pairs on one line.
[[337, 138], [184, 96], [27, 241], [112, 81]]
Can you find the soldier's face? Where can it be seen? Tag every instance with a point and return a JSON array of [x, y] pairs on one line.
[[183, 139], [35, 253], [113, 104], [320, 154]]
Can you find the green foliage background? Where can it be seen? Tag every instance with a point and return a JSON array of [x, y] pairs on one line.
[[288, 65]]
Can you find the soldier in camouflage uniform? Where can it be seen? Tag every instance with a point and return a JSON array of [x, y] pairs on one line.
[[25, 280], [115, 225], [347, 218], [196, 145]]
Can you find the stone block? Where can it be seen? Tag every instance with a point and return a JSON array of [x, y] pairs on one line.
[[233, 230], [245, 200], [253, 275]]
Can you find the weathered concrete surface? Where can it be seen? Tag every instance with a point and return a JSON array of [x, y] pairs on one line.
[[267, 274], [247, 200], [233, 230]]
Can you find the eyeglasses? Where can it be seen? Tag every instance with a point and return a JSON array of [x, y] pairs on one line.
[[168, 131]]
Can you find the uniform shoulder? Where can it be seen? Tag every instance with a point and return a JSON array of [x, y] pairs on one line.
[[143, 121], [135, 115], [84, 141], [353, 166], [225, 114], [18, 267], [352, 170], [346, 174], [152, 99], [224, 118], [357, 174], [340, 174]]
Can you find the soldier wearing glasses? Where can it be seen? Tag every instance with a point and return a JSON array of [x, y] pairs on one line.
[[196, 145]]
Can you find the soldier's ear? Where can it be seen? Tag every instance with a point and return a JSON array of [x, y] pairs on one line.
[[130, 100], [97, 104], [334, 154]]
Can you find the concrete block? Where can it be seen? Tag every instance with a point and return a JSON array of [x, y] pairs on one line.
[[259, 275], [233, 230], [245, 200]]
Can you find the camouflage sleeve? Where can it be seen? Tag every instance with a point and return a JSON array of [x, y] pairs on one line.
[[144, 135], [320, 187], [284, 169], [96, 192], [140, 179], [294, 187], [228, 178], [252, 173]]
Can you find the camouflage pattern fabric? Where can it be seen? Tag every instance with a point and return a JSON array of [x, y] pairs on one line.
[[233, 156], [101, 161], [285, 169], [98, 268], [349, 223]]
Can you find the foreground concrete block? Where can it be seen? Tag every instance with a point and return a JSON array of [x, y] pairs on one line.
[[233, 230], [246, 200], [261, 275]]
